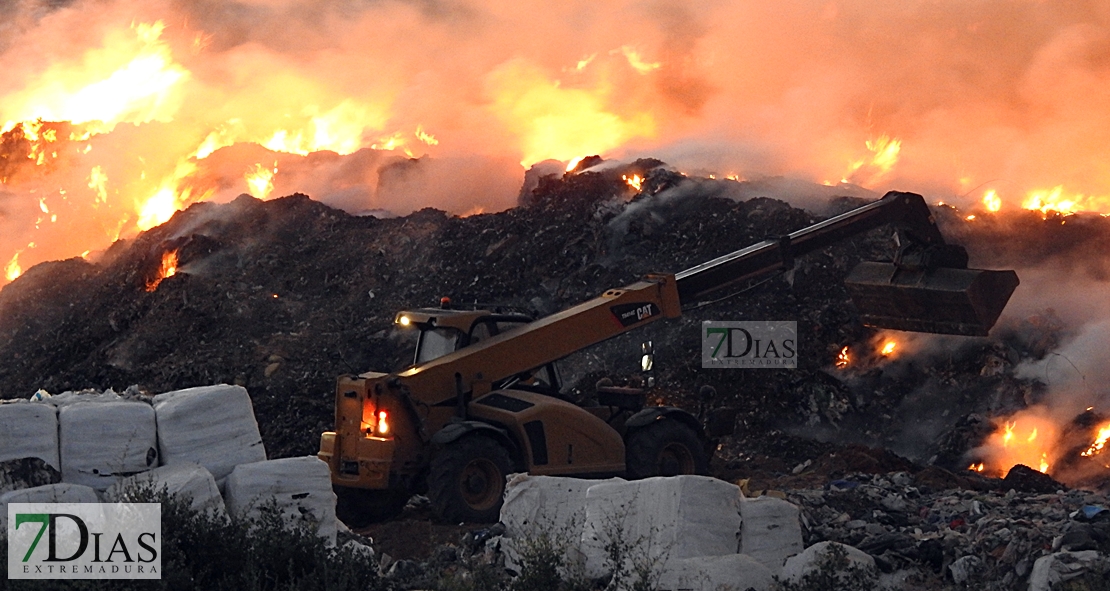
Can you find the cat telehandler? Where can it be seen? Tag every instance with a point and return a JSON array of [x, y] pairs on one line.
[[483, 398]]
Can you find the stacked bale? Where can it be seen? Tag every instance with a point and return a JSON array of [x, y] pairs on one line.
[[300, 488], [103, 441], [213, 426]]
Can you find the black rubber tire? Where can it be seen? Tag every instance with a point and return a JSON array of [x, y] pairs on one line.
[[359, 507], [664, 448], [467, 480]]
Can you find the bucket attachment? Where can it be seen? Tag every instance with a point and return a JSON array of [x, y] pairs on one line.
[[943, 300]]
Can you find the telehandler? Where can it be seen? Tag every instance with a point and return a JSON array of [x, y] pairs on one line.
[[482, 398]]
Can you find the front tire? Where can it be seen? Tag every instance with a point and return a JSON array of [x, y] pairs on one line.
[[467, 480], [664, 448]]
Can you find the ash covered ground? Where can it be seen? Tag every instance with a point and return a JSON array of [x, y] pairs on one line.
[[284, 295]]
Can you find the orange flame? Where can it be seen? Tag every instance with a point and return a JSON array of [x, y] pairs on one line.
[[635, 181], [260, 180], [169, 269], [12, 271], [843, 359], [977, 467], [1027, 438], [888, 348], [1099, 443], [991, 201]]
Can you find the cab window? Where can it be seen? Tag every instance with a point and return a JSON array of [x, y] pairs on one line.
[[435, 343]]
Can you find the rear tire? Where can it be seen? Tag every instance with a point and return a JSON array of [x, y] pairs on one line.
[[664, 448], [359, 507], [467, 480]]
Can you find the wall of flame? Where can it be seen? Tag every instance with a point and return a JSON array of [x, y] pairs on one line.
[[173, 102]]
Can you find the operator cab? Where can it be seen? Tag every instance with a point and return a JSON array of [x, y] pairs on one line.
[[444, 331]]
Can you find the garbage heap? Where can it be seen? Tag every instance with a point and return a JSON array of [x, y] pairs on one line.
[[201, 443]]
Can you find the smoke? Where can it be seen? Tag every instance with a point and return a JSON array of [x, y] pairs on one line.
[[946, 99]]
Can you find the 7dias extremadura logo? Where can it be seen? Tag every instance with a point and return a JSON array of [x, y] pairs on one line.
[[749, 344], [84, 541]]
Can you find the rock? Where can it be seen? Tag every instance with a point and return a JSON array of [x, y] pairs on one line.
[[1024, 478], [965, 569]]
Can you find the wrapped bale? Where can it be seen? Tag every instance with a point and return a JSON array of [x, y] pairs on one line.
[[30, 431], [772, 531], [188, 480], [712, 573], [544, 505], [213, 426], [809, 561], [63, 492], [670, 518], [300, 488], [102, 442]]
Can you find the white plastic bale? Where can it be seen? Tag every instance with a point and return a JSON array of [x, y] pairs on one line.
[[213, 426], [191, 481], [713, 573], [299, 487], [63, 492], [101, 442], [29, 430], [661, 519], [544, 505], [799, 565], [772, 531]]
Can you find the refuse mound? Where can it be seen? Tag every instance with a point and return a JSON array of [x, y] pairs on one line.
[[282, 296]]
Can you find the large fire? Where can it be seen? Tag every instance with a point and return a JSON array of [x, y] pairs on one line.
[[117, 113]]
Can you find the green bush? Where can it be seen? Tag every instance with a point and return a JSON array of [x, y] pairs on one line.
[[203, 551]]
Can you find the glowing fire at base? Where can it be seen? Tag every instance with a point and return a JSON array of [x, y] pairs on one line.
[[169, 269], [888, 348], [1099, 443], [13, 270], [843, 359], [635, 181]]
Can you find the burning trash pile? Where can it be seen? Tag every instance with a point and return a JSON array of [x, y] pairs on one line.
[[281, 296]]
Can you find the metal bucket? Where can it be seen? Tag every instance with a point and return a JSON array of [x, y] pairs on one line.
[[944, 300]]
